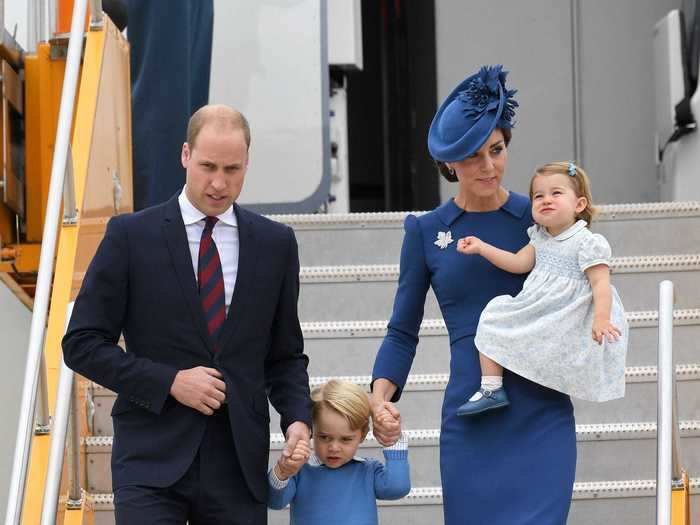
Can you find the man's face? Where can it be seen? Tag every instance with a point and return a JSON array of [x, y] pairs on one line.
[[216, 167]]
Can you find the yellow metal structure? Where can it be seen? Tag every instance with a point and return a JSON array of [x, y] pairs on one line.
[[43, 82], [43, 79], [101, 157], [680, 503]]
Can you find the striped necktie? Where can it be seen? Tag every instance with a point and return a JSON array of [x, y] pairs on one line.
[[211, 282]]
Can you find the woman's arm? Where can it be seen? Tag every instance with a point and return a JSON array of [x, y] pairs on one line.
[[521, 262], [599, 277]]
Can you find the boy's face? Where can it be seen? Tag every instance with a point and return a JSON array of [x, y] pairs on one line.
[[335, 443]]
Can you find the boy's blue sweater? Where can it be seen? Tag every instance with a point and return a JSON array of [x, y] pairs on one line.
[[344, 496]]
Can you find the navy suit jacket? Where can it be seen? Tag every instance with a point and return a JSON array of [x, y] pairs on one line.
[[141, 283]]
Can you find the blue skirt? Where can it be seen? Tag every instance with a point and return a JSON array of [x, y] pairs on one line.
[[514, 466]]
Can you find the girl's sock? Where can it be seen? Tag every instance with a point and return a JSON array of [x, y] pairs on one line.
[[487, 383]]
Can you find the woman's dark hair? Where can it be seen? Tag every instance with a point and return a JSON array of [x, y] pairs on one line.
[[442, 167]]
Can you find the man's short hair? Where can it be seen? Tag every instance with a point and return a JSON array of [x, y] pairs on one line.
[[219, 115]]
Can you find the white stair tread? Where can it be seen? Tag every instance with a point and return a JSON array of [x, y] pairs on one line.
[[416, 382], [419, 382], [433, 495], [606, 212], [431, 437], [326, 329], [390, 272]]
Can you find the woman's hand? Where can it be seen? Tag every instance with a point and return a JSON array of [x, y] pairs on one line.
[[604, 328], [470, 245], [386, 422]]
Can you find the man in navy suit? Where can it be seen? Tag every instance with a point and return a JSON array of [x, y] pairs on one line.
[[205, 295]]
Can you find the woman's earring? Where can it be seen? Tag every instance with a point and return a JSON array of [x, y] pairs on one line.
[[451, 171]]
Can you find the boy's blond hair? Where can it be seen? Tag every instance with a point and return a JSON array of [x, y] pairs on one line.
[[579, 182], [347, 399]]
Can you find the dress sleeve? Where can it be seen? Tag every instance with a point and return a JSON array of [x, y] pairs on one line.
[[395, 356], [595, 250], [533, 232]]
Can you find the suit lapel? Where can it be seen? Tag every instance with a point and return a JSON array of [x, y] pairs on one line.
[[176, 238], [247, 256]]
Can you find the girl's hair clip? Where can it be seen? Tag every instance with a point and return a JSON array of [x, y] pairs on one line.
[[572, 169]]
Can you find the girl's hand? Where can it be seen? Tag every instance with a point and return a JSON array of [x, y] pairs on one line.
[[286, 467], [604, 328], [470, 245]]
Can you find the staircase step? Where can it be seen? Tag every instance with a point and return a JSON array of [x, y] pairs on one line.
[[375, 238], [628, 447], [331, 293], [421, 402], [629, 502], [350, 347], [422, 399]]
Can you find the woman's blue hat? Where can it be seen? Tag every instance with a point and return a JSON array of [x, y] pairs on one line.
[[466, 119]]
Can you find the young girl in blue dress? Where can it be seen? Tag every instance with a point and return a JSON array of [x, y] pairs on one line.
[[337, 486], [566, 329]]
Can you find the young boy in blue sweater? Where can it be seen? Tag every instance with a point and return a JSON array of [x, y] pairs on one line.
[[336, 485]]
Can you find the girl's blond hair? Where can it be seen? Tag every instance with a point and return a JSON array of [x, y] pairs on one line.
[[579, 182], [347, 399]]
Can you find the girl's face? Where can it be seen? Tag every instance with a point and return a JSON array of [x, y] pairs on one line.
[[480, 174], [335, 443], [555, 204]]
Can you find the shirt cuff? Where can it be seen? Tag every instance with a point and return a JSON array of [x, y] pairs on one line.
[[398, 450], [275, 482]]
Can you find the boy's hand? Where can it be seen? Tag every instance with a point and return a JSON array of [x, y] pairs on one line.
[[470, 245], [287, 466], [604, 328], [386, 421]]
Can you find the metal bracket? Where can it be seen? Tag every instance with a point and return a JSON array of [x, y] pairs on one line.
[[677, 484], [74, 504], [58, 49], [70, 211], [97, 20], [42, 430], [116, 191]]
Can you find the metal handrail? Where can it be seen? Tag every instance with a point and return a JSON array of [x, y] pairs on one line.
[[46, 263], [65, 400], [668, 471]]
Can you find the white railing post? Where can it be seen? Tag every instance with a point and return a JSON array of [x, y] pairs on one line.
[[667, 463], [64, 400], [48, 250]]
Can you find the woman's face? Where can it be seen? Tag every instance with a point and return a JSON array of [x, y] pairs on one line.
[[480, 174]]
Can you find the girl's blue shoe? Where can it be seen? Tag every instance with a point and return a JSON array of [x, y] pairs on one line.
[[491, 400]]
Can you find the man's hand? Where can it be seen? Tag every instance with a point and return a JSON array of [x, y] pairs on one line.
[[286, 467], [297, 431], [200, 388], [386, 422]]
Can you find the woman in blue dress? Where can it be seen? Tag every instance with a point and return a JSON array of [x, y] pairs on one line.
[[515, 466]]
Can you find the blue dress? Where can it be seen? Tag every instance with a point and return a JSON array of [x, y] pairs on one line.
[[515, 466]]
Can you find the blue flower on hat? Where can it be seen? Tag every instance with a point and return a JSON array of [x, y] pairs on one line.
[[483, 94], [468, 116]]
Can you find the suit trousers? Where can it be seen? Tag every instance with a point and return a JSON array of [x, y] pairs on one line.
[[212, 491]]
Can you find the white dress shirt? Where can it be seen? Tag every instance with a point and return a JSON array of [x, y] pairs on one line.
[[225, 235]]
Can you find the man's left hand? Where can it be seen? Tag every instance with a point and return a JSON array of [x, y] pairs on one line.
[[296, 431]]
